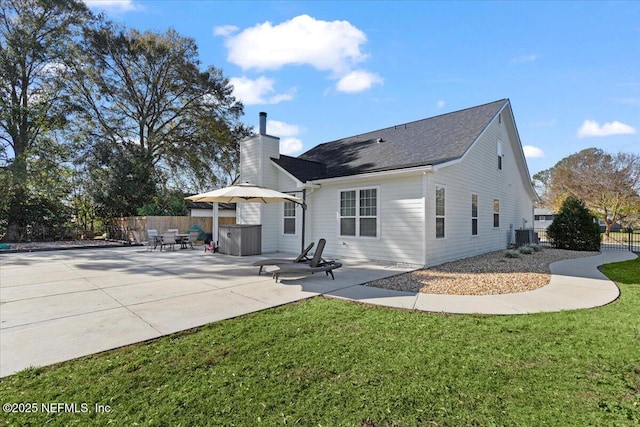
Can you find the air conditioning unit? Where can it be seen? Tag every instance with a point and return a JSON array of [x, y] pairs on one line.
[[526, 236]]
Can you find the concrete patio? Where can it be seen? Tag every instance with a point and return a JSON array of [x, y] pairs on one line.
[[56, 306], [59, 305]]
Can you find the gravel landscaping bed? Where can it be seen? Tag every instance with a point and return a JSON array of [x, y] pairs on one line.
[[488, 274]]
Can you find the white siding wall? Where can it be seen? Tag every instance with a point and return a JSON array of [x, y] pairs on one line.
[[256, 167], [478, 173], [288, 243], [400, 215], [406, 217]]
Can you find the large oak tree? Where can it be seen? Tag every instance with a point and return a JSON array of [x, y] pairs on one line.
[[35, 39], [143, 98]]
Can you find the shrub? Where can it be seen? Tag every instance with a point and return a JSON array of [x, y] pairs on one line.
[[512, 254], [537, 248], [574, 227], [525, 250]]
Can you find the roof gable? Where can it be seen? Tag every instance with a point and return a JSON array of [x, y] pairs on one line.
[[424, 142]]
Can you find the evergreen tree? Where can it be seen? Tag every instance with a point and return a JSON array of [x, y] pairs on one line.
[[574, 227]]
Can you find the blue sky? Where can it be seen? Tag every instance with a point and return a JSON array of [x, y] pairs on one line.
[[324, 70]]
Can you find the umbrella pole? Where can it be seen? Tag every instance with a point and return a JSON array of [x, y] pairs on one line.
[[304, 214], [214, 231]]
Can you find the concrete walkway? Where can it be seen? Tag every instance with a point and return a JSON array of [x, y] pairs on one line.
[[56, 306]]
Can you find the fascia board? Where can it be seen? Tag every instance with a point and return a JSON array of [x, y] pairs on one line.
[[360, 177]]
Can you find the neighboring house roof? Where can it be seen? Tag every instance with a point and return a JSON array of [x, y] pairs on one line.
[[209, 205], [543, 211], [424, 142]]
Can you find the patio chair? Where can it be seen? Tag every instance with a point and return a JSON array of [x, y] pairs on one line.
[[316, 265], [152, 240], [168, 239], [193, 237], [275, 261]]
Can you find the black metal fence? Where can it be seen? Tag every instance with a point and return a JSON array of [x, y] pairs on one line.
[[543, 239], [624, 240]]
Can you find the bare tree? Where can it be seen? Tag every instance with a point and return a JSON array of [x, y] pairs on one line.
[[609, 184]]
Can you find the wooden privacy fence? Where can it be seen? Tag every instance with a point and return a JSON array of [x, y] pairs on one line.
[[121, 228]]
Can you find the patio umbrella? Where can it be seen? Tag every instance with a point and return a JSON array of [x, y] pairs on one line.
[[247, 193]]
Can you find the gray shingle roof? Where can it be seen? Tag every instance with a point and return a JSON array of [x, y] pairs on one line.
[[304, 170], [424, 142]]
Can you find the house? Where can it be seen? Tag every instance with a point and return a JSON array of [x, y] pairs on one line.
[[226, 211], [616, 227], [425, 192], [542, 218]]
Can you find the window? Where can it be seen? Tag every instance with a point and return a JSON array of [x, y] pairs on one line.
[[496, 213], [499, 155], [440, 212], [289, 218], [368, 212], [474, 214], [359, 213]]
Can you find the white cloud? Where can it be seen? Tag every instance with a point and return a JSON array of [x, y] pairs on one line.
[[289, 143], [114, 5], [282, 129], [357, 81], [290, 146], [440, 104], [258, 91], [333, 46], [525, 58], [224, 30], [303, 40], [592, 128], [531, 151]]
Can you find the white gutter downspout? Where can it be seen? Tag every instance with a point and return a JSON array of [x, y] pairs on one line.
[[311, 187], [425, 198]]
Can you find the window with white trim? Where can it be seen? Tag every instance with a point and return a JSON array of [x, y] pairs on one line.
[[474, 214], [500, 155], [496, 213], [359, 212], [440, 203], [289, 223]]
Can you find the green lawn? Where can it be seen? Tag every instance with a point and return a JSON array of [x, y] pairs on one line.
[[325, 362]]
